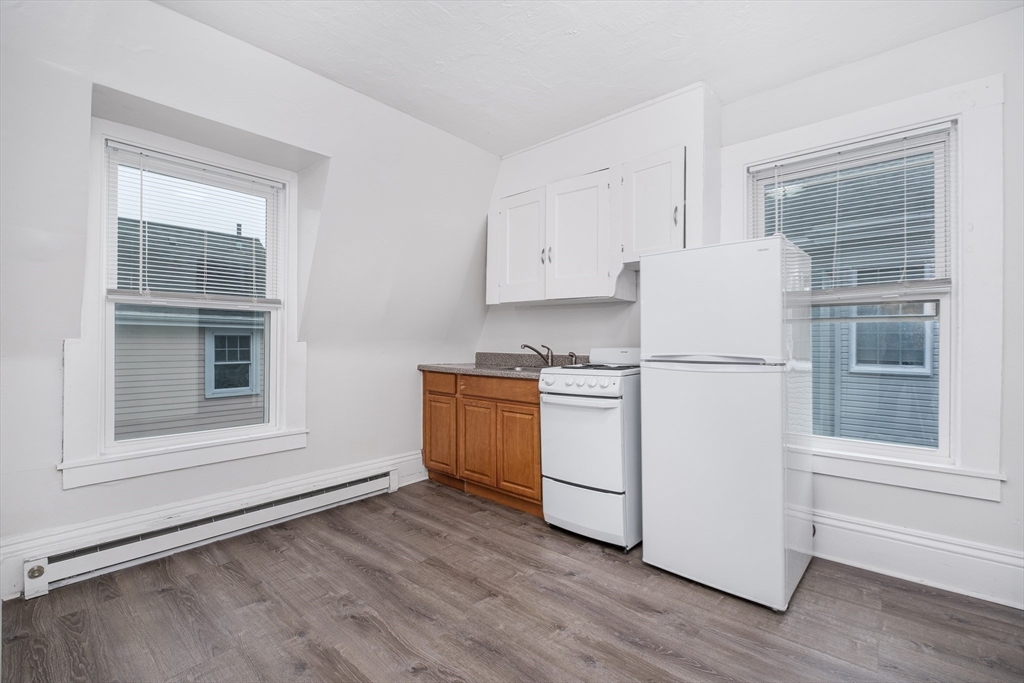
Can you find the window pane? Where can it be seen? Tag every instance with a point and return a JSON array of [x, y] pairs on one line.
[[876, 373], [160, 370], [231, 376], [862, 225], [893, 344], [194, 237]]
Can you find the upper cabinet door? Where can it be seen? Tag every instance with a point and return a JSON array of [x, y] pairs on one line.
[[521, 220], [653, 209], [578, 236]]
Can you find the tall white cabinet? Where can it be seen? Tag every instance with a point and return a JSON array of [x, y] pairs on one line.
[[654, 204], [571, 218], [579, 236], [523, 235]]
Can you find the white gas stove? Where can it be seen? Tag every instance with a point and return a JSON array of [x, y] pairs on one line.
[[590, 446]]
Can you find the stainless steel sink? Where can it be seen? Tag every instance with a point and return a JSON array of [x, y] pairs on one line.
[[522, 368]]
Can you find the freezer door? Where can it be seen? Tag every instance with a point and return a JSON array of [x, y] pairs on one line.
[[713, 476], [721, 300]]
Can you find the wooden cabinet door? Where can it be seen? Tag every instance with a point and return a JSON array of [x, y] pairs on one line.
[[653, 210], [439, 436], [519, 449], [521, 232], [477, 441], [578, 237]]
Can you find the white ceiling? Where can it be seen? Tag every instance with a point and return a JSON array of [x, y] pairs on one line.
[[507, 75]]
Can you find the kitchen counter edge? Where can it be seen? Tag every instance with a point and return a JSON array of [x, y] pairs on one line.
[[473, 369]]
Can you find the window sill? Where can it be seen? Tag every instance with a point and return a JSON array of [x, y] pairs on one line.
[[164, 459], [924, 476]]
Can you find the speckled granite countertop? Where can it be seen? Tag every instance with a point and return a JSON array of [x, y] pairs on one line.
[[500, 365]]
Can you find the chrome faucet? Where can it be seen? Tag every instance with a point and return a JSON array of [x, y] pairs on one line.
[[549, 358]]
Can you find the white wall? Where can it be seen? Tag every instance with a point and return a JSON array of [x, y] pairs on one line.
[[982, 49], [395, 277]]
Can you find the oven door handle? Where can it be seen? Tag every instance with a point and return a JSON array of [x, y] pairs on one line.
[[579, 402]]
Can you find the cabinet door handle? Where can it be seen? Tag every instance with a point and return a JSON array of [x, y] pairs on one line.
[[675, 216], [542, 255], [550, 260]]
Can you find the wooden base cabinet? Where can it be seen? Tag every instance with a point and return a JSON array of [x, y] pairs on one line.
[[477, 441], [439, 420], [518, 454], [482, 435]]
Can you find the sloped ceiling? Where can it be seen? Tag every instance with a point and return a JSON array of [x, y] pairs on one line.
[[507, 75]]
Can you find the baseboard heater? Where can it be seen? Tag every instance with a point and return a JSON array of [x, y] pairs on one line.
[[60, 569]]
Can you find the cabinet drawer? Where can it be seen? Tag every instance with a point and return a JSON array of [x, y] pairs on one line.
[[439, 382], [521, 390]]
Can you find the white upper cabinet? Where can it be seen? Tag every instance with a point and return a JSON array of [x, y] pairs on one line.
[[555, 242], [657, 191], [653, 204], [578, 236], [522, 247]]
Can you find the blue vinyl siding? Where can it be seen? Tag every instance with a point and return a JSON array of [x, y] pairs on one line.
[[887, 407]]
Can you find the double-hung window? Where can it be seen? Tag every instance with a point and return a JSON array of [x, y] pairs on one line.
[[876, 220], [192, 290]]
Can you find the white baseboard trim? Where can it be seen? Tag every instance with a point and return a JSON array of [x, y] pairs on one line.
[[975, 569], [16, 549]]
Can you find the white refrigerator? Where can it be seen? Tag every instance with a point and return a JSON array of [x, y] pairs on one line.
[[725, 379]]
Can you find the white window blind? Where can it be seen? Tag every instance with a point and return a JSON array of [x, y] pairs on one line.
[[876, 220], [176, 226], [879, 213]]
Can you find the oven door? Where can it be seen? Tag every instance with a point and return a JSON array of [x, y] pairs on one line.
[[582, 441]]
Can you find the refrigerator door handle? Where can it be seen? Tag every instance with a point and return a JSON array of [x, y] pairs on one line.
[[707, 358]]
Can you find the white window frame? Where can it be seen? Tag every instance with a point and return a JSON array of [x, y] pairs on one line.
[[91, 455], [210, 362], [970, 321]]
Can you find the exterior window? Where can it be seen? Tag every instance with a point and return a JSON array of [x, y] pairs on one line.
[[875, 219], [192, 283], [232, 363], [893, 347]]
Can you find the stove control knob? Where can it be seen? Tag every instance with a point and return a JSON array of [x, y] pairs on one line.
[[579, 381], [548, 381], [568, 381], [592, 382], [604, 383]]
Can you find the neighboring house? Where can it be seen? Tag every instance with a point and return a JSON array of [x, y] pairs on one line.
[[180, 259], [187, 369], [897, 402]]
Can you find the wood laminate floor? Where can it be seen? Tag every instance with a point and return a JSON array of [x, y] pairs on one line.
[[430, 584]]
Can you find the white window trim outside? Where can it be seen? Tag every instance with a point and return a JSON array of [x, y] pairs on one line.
[[923, 370], [90, 453], [969, 465], [210, 363]]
